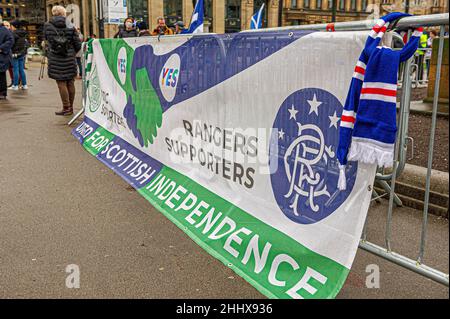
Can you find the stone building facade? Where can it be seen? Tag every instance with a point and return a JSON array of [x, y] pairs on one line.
[[234, 15]]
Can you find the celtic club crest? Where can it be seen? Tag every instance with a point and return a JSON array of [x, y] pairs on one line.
[[94, 90], [303, 150]]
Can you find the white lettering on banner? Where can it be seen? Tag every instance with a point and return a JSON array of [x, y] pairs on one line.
[[304, 283], [225, 222], [167, 191], [98, 141], [209, 221], [283, 258], [175, 196], [202, 214], [235, 238], [197, 212], [260, 259], [129, 164], [84, 130]]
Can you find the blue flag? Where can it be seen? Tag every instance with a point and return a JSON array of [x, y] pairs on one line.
[[196, 25], [256, 22]]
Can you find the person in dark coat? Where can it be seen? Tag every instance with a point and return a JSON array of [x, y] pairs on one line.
[[19, 52], [6, 44], [143, 29], [63, 43], [128, 30]]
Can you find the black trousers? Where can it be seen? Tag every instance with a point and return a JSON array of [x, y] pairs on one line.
[[3, 84]]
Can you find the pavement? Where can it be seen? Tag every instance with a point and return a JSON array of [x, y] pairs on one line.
[[421, 107], [60, 206]]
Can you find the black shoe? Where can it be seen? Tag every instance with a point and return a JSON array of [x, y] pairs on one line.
[[64, 112], [61, 113]]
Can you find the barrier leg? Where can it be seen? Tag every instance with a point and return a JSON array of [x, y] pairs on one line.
[[387, 188], [76, 117]]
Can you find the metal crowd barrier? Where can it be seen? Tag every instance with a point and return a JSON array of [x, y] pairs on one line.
[[407, 82], [411, 75]]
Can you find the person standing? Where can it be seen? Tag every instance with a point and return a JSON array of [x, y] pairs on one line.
[[428, 55], [6, 44], [162, 28], [143, 29], [7, 25], [79, 55], [128, 30], [179, 27], [63, 44], [19, 53]]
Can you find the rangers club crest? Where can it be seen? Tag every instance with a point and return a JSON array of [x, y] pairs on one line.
[[303, 156]]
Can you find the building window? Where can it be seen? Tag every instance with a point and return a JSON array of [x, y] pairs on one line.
[[306, 4], [342, 5], [173, 11], [232, 16], [138, 9], [363, 5], [353, 5], [293, 4], [233, 9], [330, 4], [319, 4], [208, 9]]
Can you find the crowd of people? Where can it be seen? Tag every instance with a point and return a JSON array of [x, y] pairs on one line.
[[133, 29], [62, 47], [63, 44], [13, 51]]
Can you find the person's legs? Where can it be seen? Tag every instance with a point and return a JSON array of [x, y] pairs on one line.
[[15, 63], [80, 67], [23, 76], [72, 91], [420, 76], [11, 75], [64, 93], [3, 85]]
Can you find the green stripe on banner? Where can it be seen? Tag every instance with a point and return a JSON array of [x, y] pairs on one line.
[[98, 140], [271, 261], [274, 263]]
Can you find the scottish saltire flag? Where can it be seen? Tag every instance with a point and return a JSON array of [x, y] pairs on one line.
[[196, 25], [256, 22]]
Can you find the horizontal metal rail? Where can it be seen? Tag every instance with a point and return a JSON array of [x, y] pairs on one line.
[[410, 264], [407, 22]]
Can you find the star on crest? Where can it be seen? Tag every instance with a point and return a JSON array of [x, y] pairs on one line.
[[314, 105], [292, 113], [334, 120], [281, 134]]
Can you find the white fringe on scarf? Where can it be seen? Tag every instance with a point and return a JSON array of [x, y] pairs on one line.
[[367, 151]]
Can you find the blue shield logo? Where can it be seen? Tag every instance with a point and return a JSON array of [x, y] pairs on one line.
[[303, 149]]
